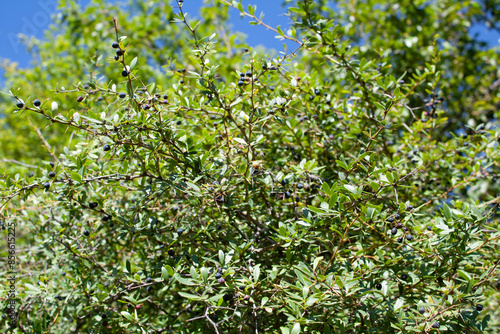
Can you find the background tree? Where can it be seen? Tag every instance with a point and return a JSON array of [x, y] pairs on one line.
[[185, 182]]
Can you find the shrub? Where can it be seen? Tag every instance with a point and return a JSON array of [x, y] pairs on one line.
[[331, 189]]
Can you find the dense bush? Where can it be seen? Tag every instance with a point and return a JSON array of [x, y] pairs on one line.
[[193, 184]]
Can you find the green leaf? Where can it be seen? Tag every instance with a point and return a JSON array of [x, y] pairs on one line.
[[295, 328], [133, 63]]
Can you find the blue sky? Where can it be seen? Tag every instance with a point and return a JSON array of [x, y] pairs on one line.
[[32, 17]]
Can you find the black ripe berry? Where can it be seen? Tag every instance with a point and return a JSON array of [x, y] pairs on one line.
[[122, 95], [248, 74], [317, 91], [409, 237], [115, 45], [124, 73], [404, 277], [397, 216], [79, 99], [435, 325], [241, 83], [218, 275], [221, 280], [227, 297], [242, 75], [180, 231], [46, 185], [20, 104], [421, 310], [93, 205], [378, 286], [171, 252], [52, 174], [149, 279], [86, 233], [300, 185], [106, 147], [116, 57], [394, 231], [390, 219], [119, 52], [37, 103], [479, 307]]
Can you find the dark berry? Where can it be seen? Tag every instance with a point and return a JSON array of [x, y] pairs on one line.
[[37, 103], [218, 275], [435, 325], [93, 205], [115, 45], [429, 228], [116, 57], [171, 252], [125, 73], [106, 147], [479, 307], [46, 185], [300, 185], [394, 231], [149, 280], [119, 53], [404, 277], [86, 233], [52, 174], [400, 239], [409, 237], [378, 286], [317, 91], [248, 74], [20, 104], [122, 95], [421, 310], [52, 164], [106, 218], [221, 280], [180, 231], [227, 297], [79, 99], [146, 106], [399, 225], [241, 83]]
